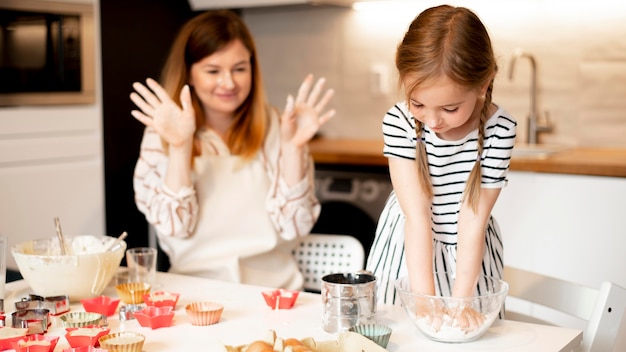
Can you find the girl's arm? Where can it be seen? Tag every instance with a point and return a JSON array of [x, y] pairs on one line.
[[471, 242], [418, 241]]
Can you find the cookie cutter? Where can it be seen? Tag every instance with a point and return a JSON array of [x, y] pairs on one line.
[[36, 321], [56, 304], [2, 316], [127, 312], [81, 319]]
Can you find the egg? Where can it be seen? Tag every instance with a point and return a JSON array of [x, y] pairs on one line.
[[292, 342], [260, 346]]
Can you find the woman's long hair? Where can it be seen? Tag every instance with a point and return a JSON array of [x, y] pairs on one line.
[[200, 37], [453, 42]]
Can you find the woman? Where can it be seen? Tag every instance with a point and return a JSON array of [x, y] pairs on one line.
[[226, 182]]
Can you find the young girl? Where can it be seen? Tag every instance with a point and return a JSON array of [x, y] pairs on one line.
[[226, 182], [449, 149]]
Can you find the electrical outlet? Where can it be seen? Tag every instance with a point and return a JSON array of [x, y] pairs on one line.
[[379, 79]]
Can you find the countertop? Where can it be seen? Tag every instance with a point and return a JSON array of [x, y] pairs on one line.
[[571, 160], [247, 318]]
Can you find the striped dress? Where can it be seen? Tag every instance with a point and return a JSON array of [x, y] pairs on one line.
[[450, 163]]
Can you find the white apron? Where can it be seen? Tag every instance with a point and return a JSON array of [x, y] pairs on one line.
[[234, 239]]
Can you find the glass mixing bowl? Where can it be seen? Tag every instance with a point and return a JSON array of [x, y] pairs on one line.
[[441, 317]]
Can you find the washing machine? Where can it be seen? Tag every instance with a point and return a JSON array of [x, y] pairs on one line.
[[352, 199]]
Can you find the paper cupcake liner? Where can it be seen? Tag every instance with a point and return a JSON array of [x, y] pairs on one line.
[[204, 313], [377, 333], [82, 319], [132, 292], [125, 341]]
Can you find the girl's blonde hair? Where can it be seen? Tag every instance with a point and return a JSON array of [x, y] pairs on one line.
[[453, 42], [200, 37]]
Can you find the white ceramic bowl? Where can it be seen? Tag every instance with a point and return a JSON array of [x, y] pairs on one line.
[[436, 317], [84, 272]]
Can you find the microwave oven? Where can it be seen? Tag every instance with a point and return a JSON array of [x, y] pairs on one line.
[[46, 53]]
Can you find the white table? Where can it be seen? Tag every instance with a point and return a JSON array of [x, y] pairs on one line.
[[246, 318]]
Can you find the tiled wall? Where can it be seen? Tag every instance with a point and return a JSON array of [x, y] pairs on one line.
[[580, 48]]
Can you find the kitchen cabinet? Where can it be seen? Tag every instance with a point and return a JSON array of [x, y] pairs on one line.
[[568, 226], [198, 5], [50, 166]]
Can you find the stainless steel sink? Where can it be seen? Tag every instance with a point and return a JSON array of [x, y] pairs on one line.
[[536, 151]]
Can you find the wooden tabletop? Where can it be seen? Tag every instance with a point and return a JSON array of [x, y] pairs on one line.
[[575, 160]]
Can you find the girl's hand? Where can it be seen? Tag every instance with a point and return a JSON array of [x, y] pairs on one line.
[[175, 125], [434, 314], [431, 311], [468, 319], [303, 117]]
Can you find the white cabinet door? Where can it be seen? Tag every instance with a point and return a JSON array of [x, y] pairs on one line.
[[569, 226], [51, 165]]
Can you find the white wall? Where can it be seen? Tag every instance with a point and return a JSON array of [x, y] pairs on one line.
[[580, 47], [51, 164]]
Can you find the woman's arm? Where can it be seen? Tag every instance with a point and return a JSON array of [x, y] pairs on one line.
[[292, 204], [418, 240], [471, 242], [163, 186], [172, 213], [293, 209], [300, 121]]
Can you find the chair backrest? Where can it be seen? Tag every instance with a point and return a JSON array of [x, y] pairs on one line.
[[321, 254], [602, 309]]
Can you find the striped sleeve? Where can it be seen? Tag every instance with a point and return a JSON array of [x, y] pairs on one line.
[[171, 214], [399, 133], [501, 132], [292, 210]]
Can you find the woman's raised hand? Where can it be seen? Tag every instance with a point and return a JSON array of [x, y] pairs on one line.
[[175, 125], [303, 117]]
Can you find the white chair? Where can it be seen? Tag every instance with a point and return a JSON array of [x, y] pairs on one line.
[[602, 309], [321, 254]]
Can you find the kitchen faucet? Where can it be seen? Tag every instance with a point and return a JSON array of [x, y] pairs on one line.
[[534, 124]]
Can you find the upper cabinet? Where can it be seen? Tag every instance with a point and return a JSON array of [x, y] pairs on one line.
[[198, 5]]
